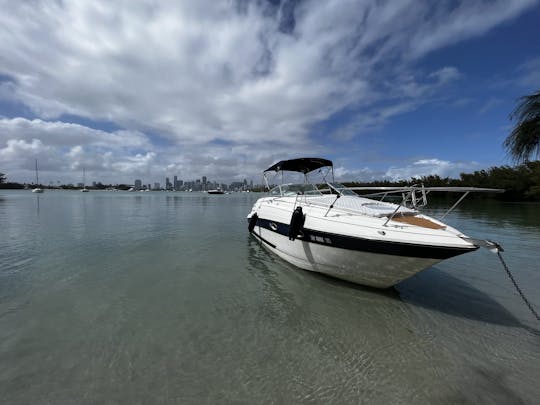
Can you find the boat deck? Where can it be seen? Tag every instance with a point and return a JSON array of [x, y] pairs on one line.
[[418, 221]]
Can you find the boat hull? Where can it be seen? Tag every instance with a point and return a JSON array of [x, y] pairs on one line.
[[366, 262]]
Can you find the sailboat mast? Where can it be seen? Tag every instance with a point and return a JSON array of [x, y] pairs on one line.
[[37, 178]]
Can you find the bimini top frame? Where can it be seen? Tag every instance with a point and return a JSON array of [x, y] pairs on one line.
[[416, 196], [301, 165]]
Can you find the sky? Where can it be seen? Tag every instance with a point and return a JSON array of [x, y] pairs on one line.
[[143, 90]]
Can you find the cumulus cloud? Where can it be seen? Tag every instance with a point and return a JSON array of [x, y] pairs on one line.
[[122, 155], [63, 134], [65, 147], [433, 166], [366, 174], [220, 84], [15, 148], [415, 169]]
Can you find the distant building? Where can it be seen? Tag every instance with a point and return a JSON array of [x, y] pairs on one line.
[[138, 184], [157, 186], [236, 185]]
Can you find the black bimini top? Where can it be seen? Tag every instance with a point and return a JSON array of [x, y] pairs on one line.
[[303, 165]]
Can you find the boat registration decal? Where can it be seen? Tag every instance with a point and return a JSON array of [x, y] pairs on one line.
[[320, 239]]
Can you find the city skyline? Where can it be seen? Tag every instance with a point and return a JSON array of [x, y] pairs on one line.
[[202, 184]]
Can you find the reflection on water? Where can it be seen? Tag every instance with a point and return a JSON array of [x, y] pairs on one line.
[[434, 290], [439, 291], [37, 204], [166, 298]]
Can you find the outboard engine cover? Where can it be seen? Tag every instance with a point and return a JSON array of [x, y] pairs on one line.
[[252, 222], [297, 222]]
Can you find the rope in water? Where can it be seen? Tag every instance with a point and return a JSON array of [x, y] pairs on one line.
[[517, 287]]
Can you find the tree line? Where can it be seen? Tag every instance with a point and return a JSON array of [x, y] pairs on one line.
[[521, 183], [4, 184]]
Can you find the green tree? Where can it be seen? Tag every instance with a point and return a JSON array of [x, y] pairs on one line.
[[523, 143]]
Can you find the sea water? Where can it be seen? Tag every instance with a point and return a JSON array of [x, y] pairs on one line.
[[164, 297]]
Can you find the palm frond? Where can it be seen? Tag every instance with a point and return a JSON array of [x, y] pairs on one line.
[[523, 142]]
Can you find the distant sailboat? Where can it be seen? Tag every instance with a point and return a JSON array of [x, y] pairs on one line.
[[84, 189], [37, 189]]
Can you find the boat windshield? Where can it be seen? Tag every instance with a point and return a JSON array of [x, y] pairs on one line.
[[295, 189], [341, 189]]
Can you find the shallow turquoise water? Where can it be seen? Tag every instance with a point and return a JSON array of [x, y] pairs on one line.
[[165, 298]]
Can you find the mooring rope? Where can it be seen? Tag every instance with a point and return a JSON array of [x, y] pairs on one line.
[[517, 286]]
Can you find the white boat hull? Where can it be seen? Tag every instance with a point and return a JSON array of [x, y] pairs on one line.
[[366, 268]]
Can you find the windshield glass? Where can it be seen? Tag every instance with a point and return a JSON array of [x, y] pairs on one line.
[[341, 189], [295, 189]]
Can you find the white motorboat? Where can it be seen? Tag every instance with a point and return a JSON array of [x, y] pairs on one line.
[[216, 191], [333, 230]]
